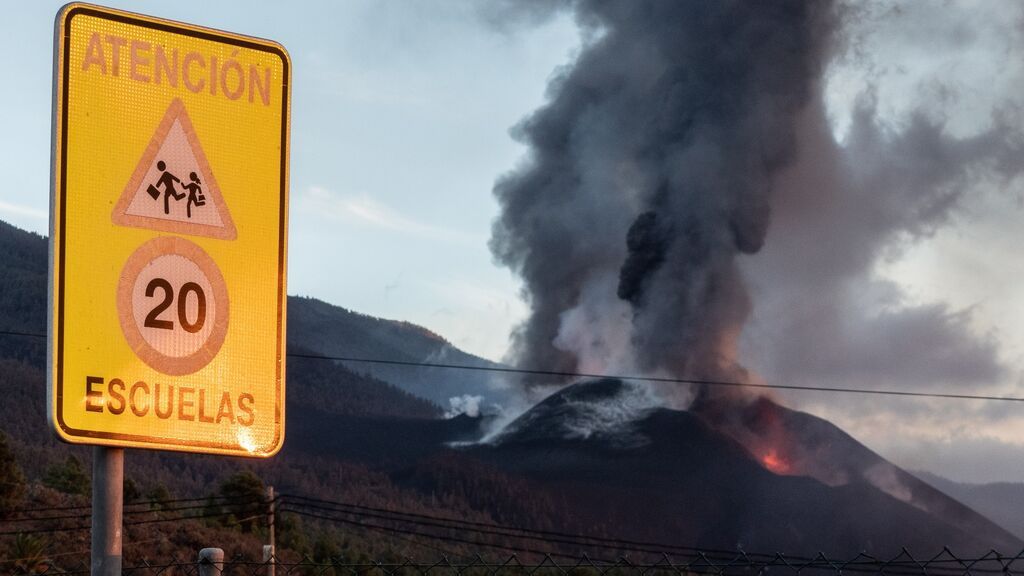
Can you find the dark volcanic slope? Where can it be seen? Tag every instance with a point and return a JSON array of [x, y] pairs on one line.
[[689, 484], [805, 445]]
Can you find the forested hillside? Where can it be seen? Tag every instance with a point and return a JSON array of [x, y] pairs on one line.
[[314, 327], [23, 285], [351, 437], [332, 330], [356, 439]]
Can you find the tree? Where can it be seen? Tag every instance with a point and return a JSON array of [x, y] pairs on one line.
[[245, 494], [69, 477], [131, 491], [12, 479], [157, 495], [327, 551]]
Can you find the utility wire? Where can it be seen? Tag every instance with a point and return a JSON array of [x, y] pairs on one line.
[[193, 517], [444, 552], [658, 548], [494, 529], [52, 509], [424, 534], [867, 565], [49, 555], [130, 523], [701, 382], [402, 517], [498, 530], [664, 380], [45, 530], [25, 334], [523, 533], [236, 502], [136, 503]]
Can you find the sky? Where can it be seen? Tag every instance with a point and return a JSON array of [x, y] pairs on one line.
[[935, 304], [402, 112], [400, 124]]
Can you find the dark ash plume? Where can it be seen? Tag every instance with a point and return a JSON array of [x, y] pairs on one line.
[[652, 166], [647, 242]]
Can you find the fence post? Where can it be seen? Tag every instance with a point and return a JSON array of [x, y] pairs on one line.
[[269, 560], [268, 551], [211, 562]]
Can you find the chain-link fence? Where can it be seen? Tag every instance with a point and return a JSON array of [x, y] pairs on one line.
[[945, 563]]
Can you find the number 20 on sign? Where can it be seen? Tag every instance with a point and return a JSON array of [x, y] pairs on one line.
[[168, 235]]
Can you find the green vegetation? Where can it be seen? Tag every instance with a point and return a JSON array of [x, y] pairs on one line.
[[240, 491], [68, 477], [28, 555]]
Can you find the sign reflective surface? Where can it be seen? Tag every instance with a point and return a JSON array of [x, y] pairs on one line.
[[168, 235]]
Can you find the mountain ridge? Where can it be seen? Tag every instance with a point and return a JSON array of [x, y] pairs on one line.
[[722, 494], [332, 330], [638, 471], [1003, 502], [314, 328]]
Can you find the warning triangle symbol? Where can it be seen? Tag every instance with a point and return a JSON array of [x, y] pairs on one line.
[[173, 188]]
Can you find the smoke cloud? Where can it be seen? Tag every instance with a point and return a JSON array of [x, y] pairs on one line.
[[716, 181], [650, 171], [839, 211]]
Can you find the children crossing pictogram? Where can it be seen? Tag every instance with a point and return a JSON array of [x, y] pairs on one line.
[[195, 194], [158, 197], [167, 180]]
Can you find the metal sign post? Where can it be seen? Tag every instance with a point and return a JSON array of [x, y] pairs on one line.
[[107, 510], [168, 245]]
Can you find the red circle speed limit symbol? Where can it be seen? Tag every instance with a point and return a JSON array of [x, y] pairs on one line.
[[173, 305]]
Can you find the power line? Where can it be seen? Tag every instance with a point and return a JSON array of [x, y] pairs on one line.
[[127, 504], [633, 377], [424, 534], [79, 528], [193, 517], [234, 502], [420, 522], [490, 529], [906, 568], [45, 530], [656, 548], [657, 379], [24, 334], [49, 556], [413, 541], [495, 529], [52, 509]]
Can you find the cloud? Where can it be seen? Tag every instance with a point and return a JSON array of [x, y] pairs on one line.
[[905, 169], [22, 210], [823, 316], [507, 16], [364, 209], [365, 86], [956, 439], [829, 312]]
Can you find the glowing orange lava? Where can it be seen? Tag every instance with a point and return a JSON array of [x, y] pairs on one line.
[[775, 463]]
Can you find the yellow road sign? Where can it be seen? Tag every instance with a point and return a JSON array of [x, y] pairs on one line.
[[168, 235]]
